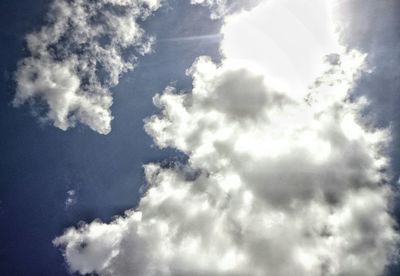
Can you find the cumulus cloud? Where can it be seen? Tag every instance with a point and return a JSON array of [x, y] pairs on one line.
[[278, 181], [78, 56]]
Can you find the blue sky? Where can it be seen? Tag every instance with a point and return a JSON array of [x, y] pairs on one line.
[[40, 164]]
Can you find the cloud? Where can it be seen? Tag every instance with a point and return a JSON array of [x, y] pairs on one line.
[[71, 198], [373, 28], [78, 56], [279, 181], [221, 8]]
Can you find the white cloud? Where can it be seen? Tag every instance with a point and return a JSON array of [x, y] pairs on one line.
[[78, 56], [279, 182], [221, 8]]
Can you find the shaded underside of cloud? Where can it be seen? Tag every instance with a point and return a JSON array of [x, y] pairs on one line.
[[78, 56], [278, 181]]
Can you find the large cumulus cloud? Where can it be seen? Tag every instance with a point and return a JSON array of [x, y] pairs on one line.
[[278, 181], [78, 56]]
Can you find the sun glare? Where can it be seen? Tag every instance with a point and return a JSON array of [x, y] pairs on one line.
[[286, 38]]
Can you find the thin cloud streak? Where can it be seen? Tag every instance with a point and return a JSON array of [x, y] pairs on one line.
[[209, 37]]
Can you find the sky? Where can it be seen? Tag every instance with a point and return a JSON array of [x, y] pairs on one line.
[[203, 137]]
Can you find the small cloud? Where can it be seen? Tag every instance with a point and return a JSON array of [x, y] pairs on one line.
[[77, 57], [221, 8], [71, 199]]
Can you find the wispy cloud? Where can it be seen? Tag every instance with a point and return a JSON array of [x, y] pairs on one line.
[[221, 8], [71, 199]]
